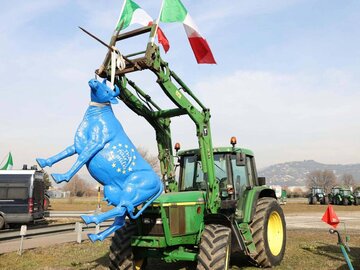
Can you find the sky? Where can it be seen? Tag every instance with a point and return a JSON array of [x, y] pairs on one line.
[[286, 82]]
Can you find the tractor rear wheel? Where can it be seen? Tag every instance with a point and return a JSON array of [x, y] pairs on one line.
[[215, 248], [269, 233], [121, 254], [326, 200], [314, 199], [357, 201], [310, 200]]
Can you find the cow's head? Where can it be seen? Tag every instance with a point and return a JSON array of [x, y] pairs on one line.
[[102, 93]]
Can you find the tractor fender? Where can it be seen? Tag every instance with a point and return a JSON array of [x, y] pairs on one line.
[[238, 242], [252, 198]]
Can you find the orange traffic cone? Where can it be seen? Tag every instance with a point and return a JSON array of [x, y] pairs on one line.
[[330, 217]]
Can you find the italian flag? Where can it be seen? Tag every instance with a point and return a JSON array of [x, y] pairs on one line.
[[132, 13], [9, 164], [174, 11]]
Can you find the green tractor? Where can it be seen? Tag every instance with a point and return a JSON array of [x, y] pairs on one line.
[[356, 195], [316, 195], [341, 196], [215, 204]]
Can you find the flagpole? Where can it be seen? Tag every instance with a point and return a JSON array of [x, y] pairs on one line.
[[3, 160], [152, 39], [121, 12]]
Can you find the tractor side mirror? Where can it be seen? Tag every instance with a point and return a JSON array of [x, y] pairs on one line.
[[240, 159], [262, 181]]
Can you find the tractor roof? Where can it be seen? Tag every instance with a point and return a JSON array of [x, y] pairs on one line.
[[191, 152]]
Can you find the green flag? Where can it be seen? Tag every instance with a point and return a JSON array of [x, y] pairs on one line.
[[9, 163]]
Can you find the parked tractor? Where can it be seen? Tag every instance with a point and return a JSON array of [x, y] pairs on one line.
[[341, 196], [356, 195], [217, 206], [316, 195]]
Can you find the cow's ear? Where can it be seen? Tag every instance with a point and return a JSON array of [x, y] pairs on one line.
[[114, 101]]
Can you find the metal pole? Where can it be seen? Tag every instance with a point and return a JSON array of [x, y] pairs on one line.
[[152, 39], [22, 233], [78, 230], [347, 259], [99, 199]]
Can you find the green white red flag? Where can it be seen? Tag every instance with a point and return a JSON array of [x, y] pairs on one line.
[[175, 11], [132, 13], [9, 163]]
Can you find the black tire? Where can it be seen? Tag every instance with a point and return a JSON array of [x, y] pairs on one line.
[[357, 201], [314, 199], [2, 222], [310, 200], [264, 257], [326, 200], [214, 248], [345, 201], [121, 254]]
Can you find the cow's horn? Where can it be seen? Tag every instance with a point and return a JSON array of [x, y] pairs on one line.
[[117, 91]]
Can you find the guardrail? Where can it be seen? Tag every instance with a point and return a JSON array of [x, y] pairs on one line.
[[48, 229]]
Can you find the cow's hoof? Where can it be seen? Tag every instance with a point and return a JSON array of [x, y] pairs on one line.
[[87, 219], [42, 162], [58, 178], [93, 237]]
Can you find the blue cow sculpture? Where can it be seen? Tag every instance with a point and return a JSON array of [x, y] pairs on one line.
[[112, 159]]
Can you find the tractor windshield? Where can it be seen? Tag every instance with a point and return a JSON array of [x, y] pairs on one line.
[[192, 176], [346, 192], [318, 190]]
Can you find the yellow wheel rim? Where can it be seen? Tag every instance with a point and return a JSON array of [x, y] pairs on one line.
[[138, 264], [227, 257], [275, 234]]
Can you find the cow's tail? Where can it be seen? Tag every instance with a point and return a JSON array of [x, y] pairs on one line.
[[147, 203]]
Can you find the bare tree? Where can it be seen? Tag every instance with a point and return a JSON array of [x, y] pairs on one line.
[[47, 181], [77, 186], [348, 180], [325, 179], [151, 159]]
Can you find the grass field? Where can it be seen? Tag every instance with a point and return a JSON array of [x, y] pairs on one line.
[[306, 249]]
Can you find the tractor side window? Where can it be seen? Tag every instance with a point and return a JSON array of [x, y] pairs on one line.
[[239, 177], [220, 167], [250, 171], [192, 174]]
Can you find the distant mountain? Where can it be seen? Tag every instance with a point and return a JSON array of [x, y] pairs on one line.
[[289, 173], [294, 173]]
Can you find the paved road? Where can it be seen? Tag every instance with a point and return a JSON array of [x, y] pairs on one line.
[[313, 220], [43, 240]]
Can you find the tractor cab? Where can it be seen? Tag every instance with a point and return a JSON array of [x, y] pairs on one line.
[[232, 177], [317, 190]]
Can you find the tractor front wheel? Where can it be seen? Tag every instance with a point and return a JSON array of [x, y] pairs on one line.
[[121, 254], [269, 233], [345, 201], [215, 248]]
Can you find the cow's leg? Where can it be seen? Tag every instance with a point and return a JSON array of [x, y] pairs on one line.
[[116, 211], [87, 153], [69, 151], [118, 223]]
